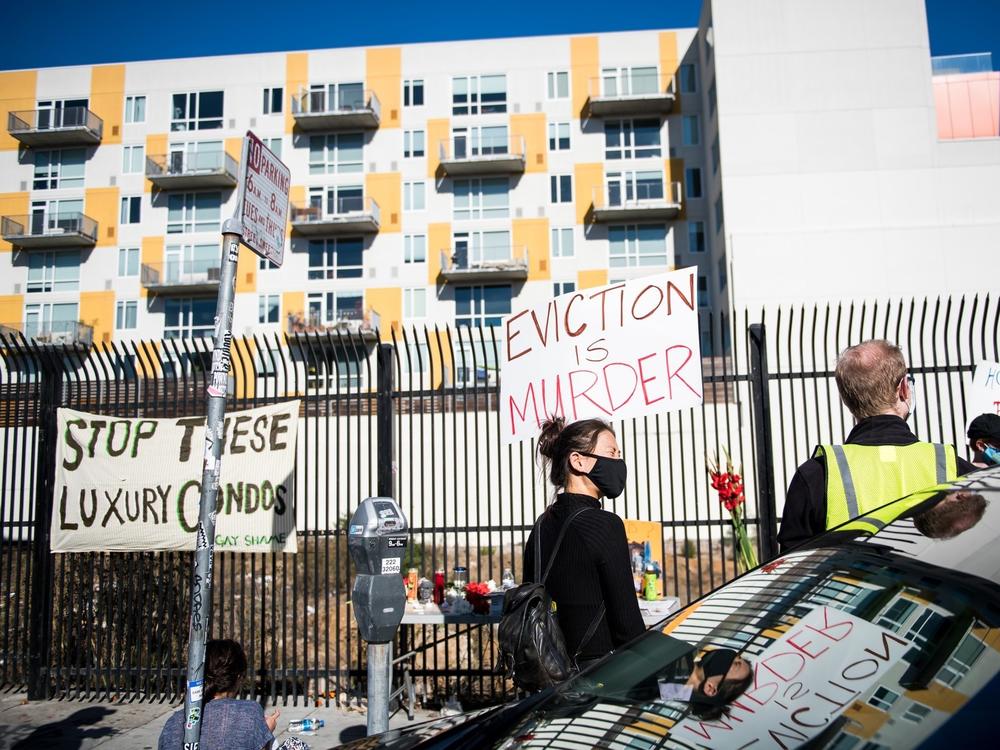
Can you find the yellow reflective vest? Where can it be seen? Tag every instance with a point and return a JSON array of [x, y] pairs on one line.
[[861, 478]]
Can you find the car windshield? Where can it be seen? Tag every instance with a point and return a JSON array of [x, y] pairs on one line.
[[868, 641]]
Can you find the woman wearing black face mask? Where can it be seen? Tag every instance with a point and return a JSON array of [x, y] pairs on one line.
[[591, 577]]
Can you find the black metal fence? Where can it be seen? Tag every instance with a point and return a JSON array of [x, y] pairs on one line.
[[416, 416]]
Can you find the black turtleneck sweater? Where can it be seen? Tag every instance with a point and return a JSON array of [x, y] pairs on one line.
[[804, 515], [591, 567]]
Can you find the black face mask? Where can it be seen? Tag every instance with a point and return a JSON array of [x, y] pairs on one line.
[[608, 475], [717, 663]]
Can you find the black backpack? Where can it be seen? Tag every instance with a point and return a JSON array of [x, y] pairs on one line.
[[532, 648]]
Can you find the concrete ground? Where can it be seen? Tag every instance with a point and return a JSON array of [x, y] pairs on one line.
[[81, 725]]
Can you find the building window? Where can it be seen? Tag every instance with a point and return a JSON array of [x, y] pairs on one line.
[[562, 243], [414, 196], [916, 713], [336, 97], [563, 287], [487, 198], [273, 103], [632, 139], [128, 261], [268, 308], [692, 182], [715, 155], [558, 136], [961, 661], [193, 263], [691, 132], [135, 109], [473, 95], [133, 159], [51, 321], [200, 110], [337, 200], [481, 305], [336, 153], [188, 317], [53, 271], [561, 188], [883, 698], [723, 278], [718, 214], [131, 210], [558, 84], [329, 308], [689, 79], [472, 249], [60, 168], [414, 248], [626, 187], [628, 81], [414, 303], [193, 212], [711, 99], [637, 246], [413, 93], [125, 315], [274, 144], [703, 300], [336, 258], [413, 143]]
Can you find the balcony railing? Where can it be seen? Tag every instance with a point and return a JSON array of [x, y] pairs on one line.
[[649, 203], [55, 127], [629, 94], [344, 110], [53, 333], [461, 155], [181, 278], [493, 264], [976, 62], [351, 215], [203, 169], [353, 321], [65, 229]]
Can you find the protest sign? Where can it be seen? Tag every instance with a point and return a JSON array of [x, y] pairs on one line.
[[984, 393], [613, 352], [135, 484], [801, 683]]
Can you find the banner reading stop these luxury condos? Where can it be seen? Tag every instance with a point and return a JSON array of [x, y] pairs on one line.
[[135, 484]]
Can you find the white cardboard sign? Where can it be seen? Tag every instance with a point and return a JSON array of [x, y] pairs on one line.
[[984, 394], [263, 211], [612, 352]]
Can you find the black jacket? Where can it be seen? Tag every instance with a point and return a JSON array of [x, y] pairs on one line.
[[592, 567], [805, 504]]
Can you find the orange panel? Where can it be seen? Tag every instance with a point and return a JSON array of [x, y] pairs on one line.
[[384, 76], [107, 99], [584, 62], [17, 92], [531, 129], [296, 78], [13, 204]]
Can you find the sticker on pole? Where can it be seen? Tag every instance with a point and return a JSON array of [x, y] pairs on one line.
[[263, 203]]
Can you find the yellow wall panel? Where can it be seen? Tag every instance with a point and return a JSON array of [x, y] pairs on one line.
[[384, 76], [584, 64], [532, 236], [938, 696], [293, 304], [97, 309], [156, 147], [296, 77], [437, 131], [674, 172], [246, 270], [532, 129], [12, 204], [438, 239], [296, 199], [17, 93], [102, 205], [587, 179], [243, 367], [149, 362], [234, 147], [439, 348], [388, 303], [151, 254], [12, 310], [591, 278], [107, 99], [386, 189]]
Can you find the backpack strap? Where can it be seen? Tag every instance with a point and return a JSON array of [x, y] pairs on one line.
[[590, 632], [555, 550]]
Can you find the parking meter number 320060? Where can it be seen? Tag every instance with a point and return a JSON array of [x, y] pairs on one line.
[[377, 536]]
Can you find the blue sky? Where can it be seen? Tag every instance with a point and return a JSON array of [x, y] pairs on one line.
[[68, 32]]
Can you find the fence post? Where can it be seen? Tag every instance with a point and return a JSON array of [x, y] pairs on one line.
[[766, 491], [383, 421], [40, 612]]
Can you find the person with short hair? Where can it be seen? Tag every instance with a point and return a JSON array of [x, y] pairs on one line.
[[984, 440], [881, 459]]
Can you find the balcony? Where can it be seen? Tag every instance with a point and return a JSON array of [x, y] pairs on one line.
[[610, 206], [52, 333], [182, 279], [457, 267], [350, 110], [461, 156], [68, 229], [69, 126], [346, 325], [353, 215], [181, 171], [624, 94]]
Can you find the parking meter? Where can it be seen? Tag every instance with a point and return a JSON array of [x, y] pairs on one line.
[[377, 536]]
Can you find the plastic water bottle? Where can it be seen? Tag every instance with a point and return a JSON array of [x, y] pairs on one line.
[[507, 581], [305, 725]]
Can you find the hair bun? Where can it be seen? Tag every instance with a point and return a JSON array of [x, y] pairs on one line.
[[551, 431]]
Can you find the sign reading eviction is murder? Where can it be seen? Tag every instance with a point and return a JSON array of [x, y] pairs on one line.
[[613, 352], [135, 484]]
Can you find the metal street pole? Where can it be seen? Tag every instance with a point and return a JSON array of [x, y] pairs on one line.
[[201, 575], [379, 687]]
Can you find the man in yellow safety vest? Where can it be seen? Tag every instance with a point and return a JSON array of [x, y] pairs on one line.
[[881, 458]]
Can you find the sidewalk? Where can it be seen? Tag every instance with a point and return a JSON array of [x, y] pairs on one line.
[[81, 725]]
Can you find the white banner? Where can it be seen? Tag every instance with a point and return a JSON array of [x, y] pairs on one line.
[[613, 352], [135, 484], [984, 393]]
